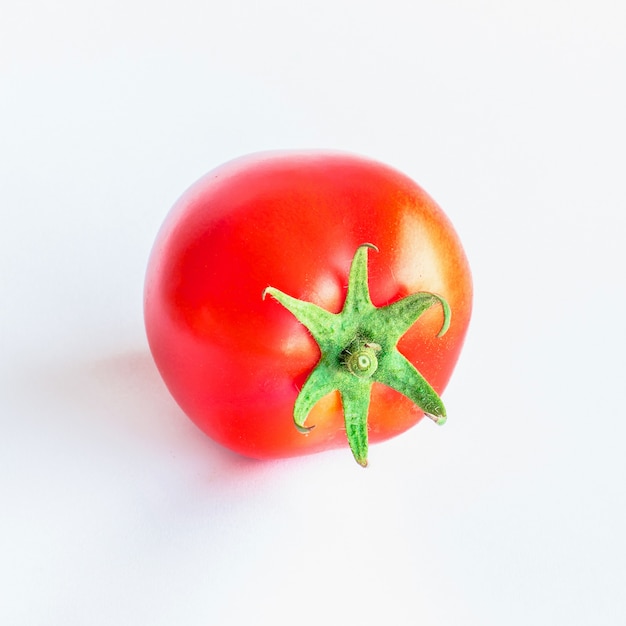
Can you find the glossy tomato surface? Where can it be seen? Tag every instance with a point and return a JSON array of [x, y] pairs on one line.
[[235, 361]]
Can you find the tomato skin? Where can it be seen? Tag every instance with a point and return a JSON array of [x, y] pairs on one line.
[[233, 361]]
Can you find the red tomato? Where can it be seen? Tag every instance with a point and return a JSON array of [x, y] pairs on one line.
[[235, 360]]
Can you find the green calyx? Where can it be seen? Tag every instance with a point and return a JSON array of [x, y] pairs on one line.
[[359, 348]]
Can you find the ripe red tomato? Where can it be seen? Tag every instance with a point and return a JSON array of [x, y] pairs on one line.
[[236, 360]]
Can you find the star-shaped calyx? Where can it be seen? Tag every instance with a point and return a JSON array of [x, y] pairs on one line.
[[359, 347]]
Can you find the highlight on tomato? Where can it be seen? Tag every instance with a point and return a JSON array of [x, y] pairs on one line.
[[301, 301]]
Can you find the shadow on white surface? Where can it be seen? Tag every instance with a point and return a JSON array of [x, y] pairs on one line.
[[123, 393], [111, 411], [117, 492], [121, 390]]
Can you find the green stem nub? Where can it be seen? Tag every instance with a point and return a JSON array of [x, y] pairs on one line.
[[361, 359], [359, 347]]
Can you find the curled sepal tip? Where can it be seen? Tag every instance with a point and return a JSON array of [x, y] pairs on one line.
[[440, 420], [447, 315], [305, 430]]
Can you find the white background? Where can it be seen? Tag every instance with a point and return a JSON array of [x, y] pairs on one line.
[[116, 510]]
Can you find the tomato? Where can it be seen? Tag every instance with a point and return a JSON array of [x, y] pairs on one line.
[[282, 299]]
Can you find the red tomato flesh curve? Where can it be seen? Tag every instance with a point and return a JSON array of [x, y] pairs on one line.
[[290, 226]]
